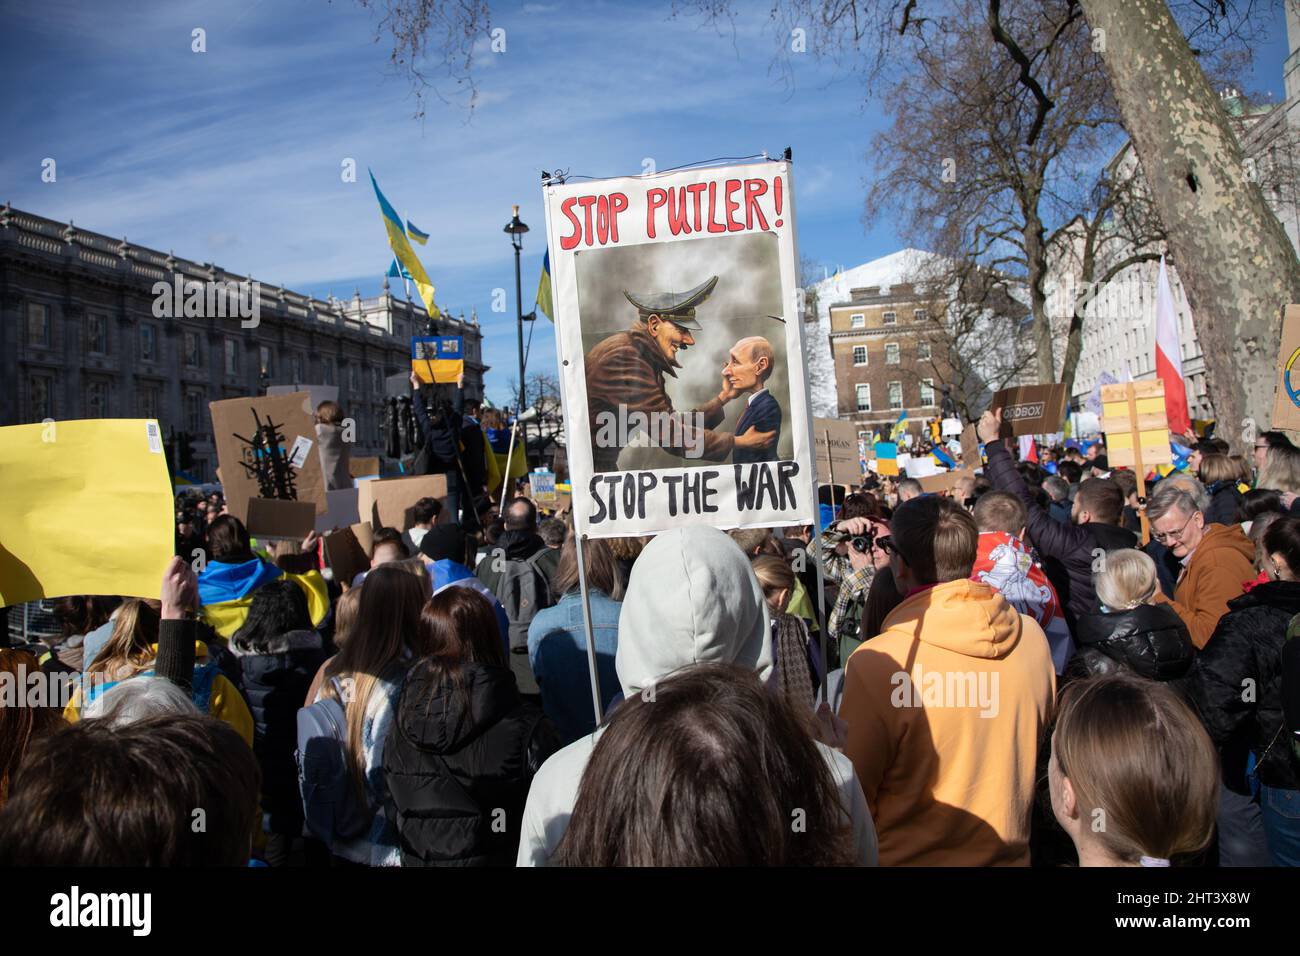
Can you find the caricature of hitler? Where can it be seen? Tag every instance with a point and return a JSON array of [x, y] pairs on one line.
[[627, 369]]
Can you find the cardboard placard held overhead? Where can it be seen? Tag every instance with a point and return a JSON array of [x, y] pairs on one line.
[[235, 423], [342, 510], [1030, 409], [541, 486], [1286, 401], [970, 448], [842, 465], [387, 502], [363, 467], [345, 555], [945, 480], [1143, 418], [271, 518]]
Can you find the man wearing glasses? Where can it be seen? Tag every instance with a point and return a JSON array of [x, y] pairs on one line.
[[1217, 559]]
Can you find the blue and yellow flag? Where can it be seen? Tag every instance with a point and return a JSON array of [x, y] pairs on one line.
[[419, 235], [401, 247], [437, 358], [544, 303], [900, 426], [395, 271]]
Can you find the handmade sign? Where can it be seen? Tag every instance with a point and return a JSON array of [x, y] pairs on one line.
[[1286, 400], [658, 283], [388, 502], [541, 486], [266, 445], [886, 458], [944, 480], [57, 477], [345, 555], [1137, 432], [341, 510], [363, 467], [438, 358], [836, 444], [1030, 409]]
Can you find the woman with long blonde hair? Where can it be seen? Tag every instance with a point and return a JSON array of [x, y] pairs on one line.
[[131, 651], [366, 678]]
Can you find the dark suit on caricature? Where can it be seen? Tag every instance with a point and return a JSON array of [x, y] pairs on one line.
[[749, 365], [762, 414]]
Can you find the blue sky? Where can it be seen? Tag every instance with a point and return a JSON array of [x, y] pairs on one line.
[[233, 156]]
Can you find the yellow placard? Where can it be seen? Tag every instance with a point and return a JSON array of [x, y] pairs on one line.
[[86, 508], [440, 371]]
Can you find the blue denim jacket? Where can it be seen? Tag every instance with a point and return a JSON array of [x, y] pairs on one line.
[[557, 651]]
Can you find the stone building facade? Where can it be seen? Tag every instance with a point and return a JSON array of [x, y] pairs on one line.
[[81, 337]]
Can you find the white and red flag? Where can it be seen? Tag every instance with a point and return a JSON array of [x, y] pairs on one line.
[[1169, 357]]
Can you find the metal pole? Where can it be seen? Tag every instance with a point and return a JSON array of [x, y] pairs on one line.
[[591, 641], [514, 430], [519, 325]]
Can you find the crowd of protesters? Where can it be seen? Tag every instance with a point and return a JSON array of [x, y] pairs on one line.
[[1002, 665]]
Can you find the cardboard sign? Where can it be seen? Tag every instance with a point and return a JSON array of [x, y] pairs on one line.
[[842, 465], [341, 510], [387, 502], [234, 424], [1030, 409], [1143, 418], [970, 448], [541, 486], [319, 393], [363, 467], [1286, 401], [345, 555], [87, 508], [712, 249], [273, 518], [945, 480]]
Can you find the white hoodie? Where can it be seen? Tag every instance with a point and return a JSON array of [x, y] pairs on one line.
[[693, 598]]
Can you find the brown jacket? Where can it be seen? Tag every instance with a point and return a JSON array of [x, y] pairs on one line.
[[628, 369], [1220, 566]]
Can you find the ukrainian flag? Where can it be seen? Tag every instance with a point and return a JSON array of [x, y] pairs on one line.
[[226, 592], [395, 271], [544, 302], [900, 426], [437, 358], [401, 247], [419, 235]]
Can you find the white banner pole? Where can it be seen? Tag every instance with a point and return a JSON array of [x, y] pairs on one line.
[[586, 625]]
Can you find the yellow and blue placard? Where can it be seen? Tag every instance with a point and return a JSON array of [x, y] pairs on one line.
[[438, 358]]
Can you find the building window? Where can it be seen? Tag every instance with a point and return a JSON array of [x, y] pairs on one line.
[[895, 395], [41, 390], [38, 324], [232, 357], [927, 392], [97, 334], [264, 359], [921, 315], [192, 356], [859, 355], [194, 413], [327, 371], [864, 398], [295, 361], [147, 401], [97, 400], [376, 380], [923, 351], [354, 376], [857, 320], [148, 343], [892, 354], [890, 318]]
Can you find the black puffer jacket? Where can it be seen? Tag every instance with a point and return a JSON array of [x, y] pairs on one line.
[[454, 761], [1236, 685], [1066, 550], [1225, 503], [274, 684], [1150, 640]]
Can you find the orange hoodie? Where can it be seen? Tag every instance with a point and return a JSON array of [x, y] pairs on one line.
[[946, 709]]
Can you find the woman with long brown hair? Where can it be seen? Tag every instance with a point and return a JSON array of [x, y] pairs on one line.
[[21, 725], [672, 782], [366, 677], [465, 745]]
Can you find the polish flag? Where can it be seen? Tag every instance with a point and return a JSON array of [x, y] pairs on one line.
[[1169, 361], [1028, 450]]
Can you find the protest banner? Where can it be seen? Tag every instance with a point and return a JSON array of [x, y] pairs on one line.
[[944, 480], [886, 458], [1030, 409], [266, 446], [345, 555], [363, 467], [387, 502], [341, 510], [836, 444], [921, 467], [437, 358], [659, 282], [1286, 400], [970, 448], [58, 476], [1137, 431]]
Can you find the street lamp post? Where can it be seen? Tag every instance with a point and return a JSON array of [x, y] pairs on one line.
[[516, 229]]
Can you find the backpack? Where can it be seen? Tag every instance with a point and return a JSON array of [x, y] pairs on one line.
[[331, 806], [523, 591]]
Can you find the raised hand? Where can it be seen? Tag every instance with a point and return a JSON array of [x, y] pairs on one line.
[[180, 590]]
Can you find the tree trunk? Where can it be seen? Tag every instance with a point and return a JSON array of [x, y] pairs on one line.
[[1234, 259], [1036, 261]]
